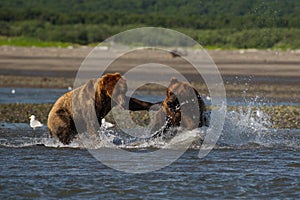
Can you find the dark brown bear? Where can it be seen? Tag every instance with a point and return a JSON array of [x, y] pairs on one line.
[[183, 106]]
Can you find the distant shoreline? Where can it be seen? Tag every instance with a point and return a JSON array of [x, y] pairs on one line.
[[246, 73], [274, 74], [64, 62]]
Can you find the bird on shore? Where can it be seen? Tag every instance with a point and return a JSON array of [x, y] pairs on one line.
[[34, 123], [106, 124]]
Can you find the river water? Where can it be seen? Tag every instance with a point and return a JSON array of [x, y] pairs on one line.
[[250, 160]]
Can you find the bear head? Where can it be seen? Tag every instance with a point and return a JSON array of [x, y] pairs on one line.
[[113, 86], [182, 104]]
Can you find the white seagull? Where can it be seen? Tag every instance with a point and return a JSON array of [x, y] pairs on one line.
[[34, 123], [106, 125]]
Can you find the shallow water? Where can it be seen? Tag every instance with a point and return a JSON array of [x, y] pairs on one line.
[[263, 164], [43, 172], [250, 160], [30, 95], [46, 95]]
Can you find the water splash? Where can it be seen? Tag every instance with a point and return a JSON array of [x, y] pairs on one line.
[[251, 127], [247, 127]]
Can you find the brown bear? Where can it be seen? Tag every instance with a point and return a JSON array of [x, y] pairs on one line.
[[183, 106], [92, 100], [82, 104]]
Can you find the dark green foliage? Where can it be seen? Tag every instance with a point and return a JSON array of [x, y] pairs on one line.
[[230, 23]]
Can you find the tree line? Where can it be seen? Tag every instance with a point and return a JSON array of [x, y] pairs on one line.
[[212, 23]]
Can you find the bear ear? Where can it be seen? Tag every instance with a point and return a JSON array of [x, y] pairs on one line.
[[111, 77], [173, 80], [116, 75]]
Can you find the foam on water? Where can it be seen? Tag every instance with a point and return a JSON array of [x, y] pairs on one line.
[[249, 127], [241, 130]]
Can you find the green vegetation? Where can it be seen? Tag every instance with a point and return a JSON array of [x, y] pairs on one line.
[[217, 24], [29, 42]]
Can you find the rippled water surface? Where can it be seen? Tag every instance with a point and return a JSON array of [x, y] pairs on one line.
[[225, 173], [250, 160]]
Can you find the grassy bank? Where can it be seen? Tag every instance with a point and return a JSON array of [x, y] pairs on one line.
[[31, 42], [266, 38], [280, 116]]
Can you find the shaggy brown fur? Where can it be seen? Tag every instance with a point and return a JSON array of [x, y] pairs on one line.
[[84, 104], [91, 101], [181, 102]]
